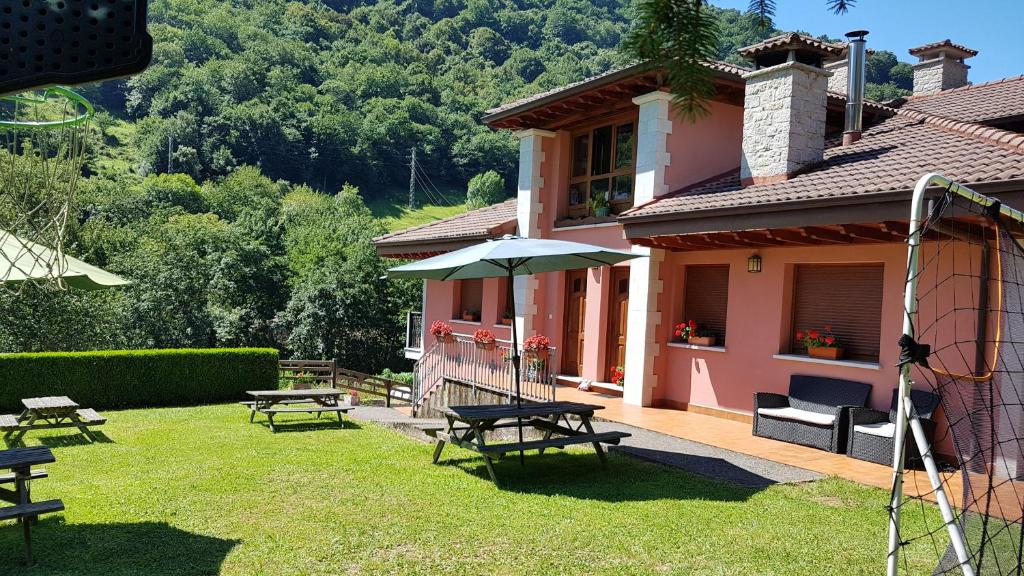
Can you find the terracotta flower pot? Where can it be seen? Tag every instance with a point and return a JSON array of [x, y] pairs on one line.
[[506, 321], [537, 354], [825, 353], [444, 339], [701, 340], [469, 318], [484, 345]]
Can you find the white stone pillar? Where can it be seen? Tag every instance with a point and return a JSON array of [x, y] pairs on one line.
[[652, 155], [645, 284], [528, 210]]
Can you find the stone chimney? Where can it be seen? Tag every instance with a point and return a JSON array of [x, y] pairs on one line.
[[784, 107], [940, 66]]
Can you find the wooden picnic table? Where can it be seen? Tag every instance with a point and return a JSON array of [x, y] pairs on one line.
[[20, 462], [311, 400], [49, 412], [468, 427]]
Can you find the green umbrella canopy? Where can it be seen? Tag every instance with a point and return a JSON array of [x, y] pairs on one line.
[[22, 260], [511, 255]]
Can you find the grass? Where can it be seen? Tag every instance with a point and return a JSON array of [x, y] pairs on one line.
[[392, 206], [191, 491]]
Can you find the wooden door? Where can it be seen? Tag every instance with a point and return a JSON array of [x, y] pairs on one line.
[[617, 318], [575, 312]]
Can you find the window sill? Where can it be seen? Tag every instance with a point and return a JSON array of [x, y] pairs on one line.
[[846, 363], [688, 346], [467, 322], [506, 326], [588, 222]]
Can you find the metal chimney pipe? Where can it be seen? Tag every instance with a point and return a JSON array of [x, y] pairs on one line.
[[855, 87]]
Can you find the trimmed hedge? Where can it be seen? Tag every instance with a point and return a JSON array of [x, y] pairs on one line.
[[137, 378]]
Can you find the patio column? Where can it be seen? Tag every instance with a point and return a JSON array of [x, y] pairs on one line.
[[645, 284], [528, 210]]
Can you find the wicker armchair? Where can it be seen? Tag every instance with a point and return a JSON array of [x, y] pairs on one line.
[[813, 414], [871, 433]]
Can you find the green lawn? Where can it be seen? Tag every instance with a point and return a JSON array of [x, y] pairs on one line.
[[192, 491], [391, 205]]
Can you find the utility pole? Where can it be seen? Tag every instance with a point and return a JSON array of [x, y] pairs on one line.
[[170, 153], [412, 179]]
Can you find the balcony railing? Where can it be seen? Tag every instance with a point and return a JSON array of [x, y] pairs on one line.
[[461, 359]]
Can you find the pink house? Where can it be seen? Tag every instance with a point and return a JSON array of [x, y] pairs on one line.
[[771, 215]]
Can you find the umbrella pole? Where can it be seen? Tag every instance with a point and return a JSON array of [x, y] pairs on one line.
[[511, 303]]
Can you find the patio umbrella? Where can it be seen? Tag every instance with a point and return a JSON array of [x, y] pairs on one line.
[[22, 260], [511, 256]]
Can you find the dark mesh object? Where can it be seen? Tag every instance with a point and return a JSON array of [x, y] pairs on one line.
[[46, 42], [971, 311]]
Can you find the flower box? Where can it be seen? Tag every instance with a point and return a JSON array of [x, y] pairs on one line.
[[701, 340], [442, 339], [825, 353], [485, 345], [470, 317], [506, 321]]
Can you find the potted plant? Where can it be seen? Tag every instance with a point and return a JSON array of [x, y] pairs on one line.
[[691, 333], [618, 375], [484, 339], [598, 205], [471, 315], [442, 331], [821, 344], [536, 347], [506, 317]]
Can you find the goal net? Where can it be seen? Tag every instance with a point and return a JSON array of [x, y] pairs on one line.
[[958, 507], [43, 137]]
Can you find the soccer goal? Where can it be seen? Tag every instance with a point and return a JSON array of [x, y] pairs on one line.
[[958, 499]]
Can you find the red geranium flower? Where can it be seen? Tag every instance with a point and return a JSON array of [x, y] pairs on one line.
[[828, 327], [814, 334], [829, 340], [799, 335], [692, 324], [679, 333]]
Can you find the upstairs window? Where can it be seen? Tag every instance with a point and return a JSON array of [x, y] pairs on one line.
[[468, 299], [603, 166], [845, 297], [706, 298]]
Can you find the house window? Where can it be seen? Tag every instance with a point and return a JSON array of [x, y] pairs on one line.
[[505, 314], [847, 297], [706, 297], [468, 298], [603, 164]]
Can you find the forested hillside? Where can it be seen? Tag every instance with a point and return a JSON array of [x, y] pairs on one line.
[[230, 181]]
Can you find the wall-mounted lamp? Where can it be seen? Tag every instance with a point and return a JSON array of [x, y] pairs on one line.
[[754, 263]]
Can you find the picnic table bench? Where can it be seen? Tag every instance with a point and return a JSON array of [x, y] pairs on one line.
[[468, 426], [20, 462], [49, 412], [310, 401]]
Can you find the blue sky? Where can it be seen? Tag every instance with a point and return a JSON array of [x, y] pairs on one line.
[[992, 27]]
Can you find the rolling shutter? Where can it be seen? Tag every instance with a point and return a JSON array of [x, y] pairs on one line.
[[846, 297], [707, 297]]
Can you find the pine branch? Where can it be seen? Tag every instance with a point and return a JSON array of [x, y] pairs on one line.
[[840, 6], [765, 10]]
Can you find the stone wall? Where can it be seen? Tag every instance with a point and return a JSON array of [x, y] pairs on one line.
[[840, 78], [783, 121], [940, 74]]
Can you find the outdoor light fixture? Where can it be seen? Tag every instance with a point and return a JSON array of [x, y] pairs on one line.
[[754, 264]]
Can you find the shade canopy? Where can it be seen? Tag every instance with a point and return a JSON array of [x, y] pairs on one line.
[[22, 260], [522, 256]]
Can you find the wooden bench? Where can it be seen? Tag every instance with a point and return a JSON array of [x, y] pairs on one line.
[[250, 403], [8, 422], [313, 409], [30, 510], [559, 442], [90, 417], [37, 474]]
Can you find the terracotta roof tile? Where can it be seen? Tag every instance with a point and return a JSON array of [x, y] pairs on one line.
[[947, 43], [891, 156], [792, 40], [482, 223], [978, 103]]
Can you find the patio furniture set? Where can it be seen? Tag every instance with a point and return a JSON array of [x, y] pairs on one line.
[[832, 414], [40, 413], [308, 400]]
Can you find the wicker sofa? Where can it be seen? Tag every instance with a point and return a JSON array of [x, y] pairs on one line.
[[813, 414], [871, 432]]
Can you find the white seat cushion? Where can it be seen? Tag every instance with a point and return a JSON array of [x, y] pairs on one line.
[[790, 413], [883, 429]]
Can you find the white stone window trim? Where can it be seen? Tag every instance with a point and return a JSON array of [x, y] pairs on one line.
[[688, 346], [847, 363]]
